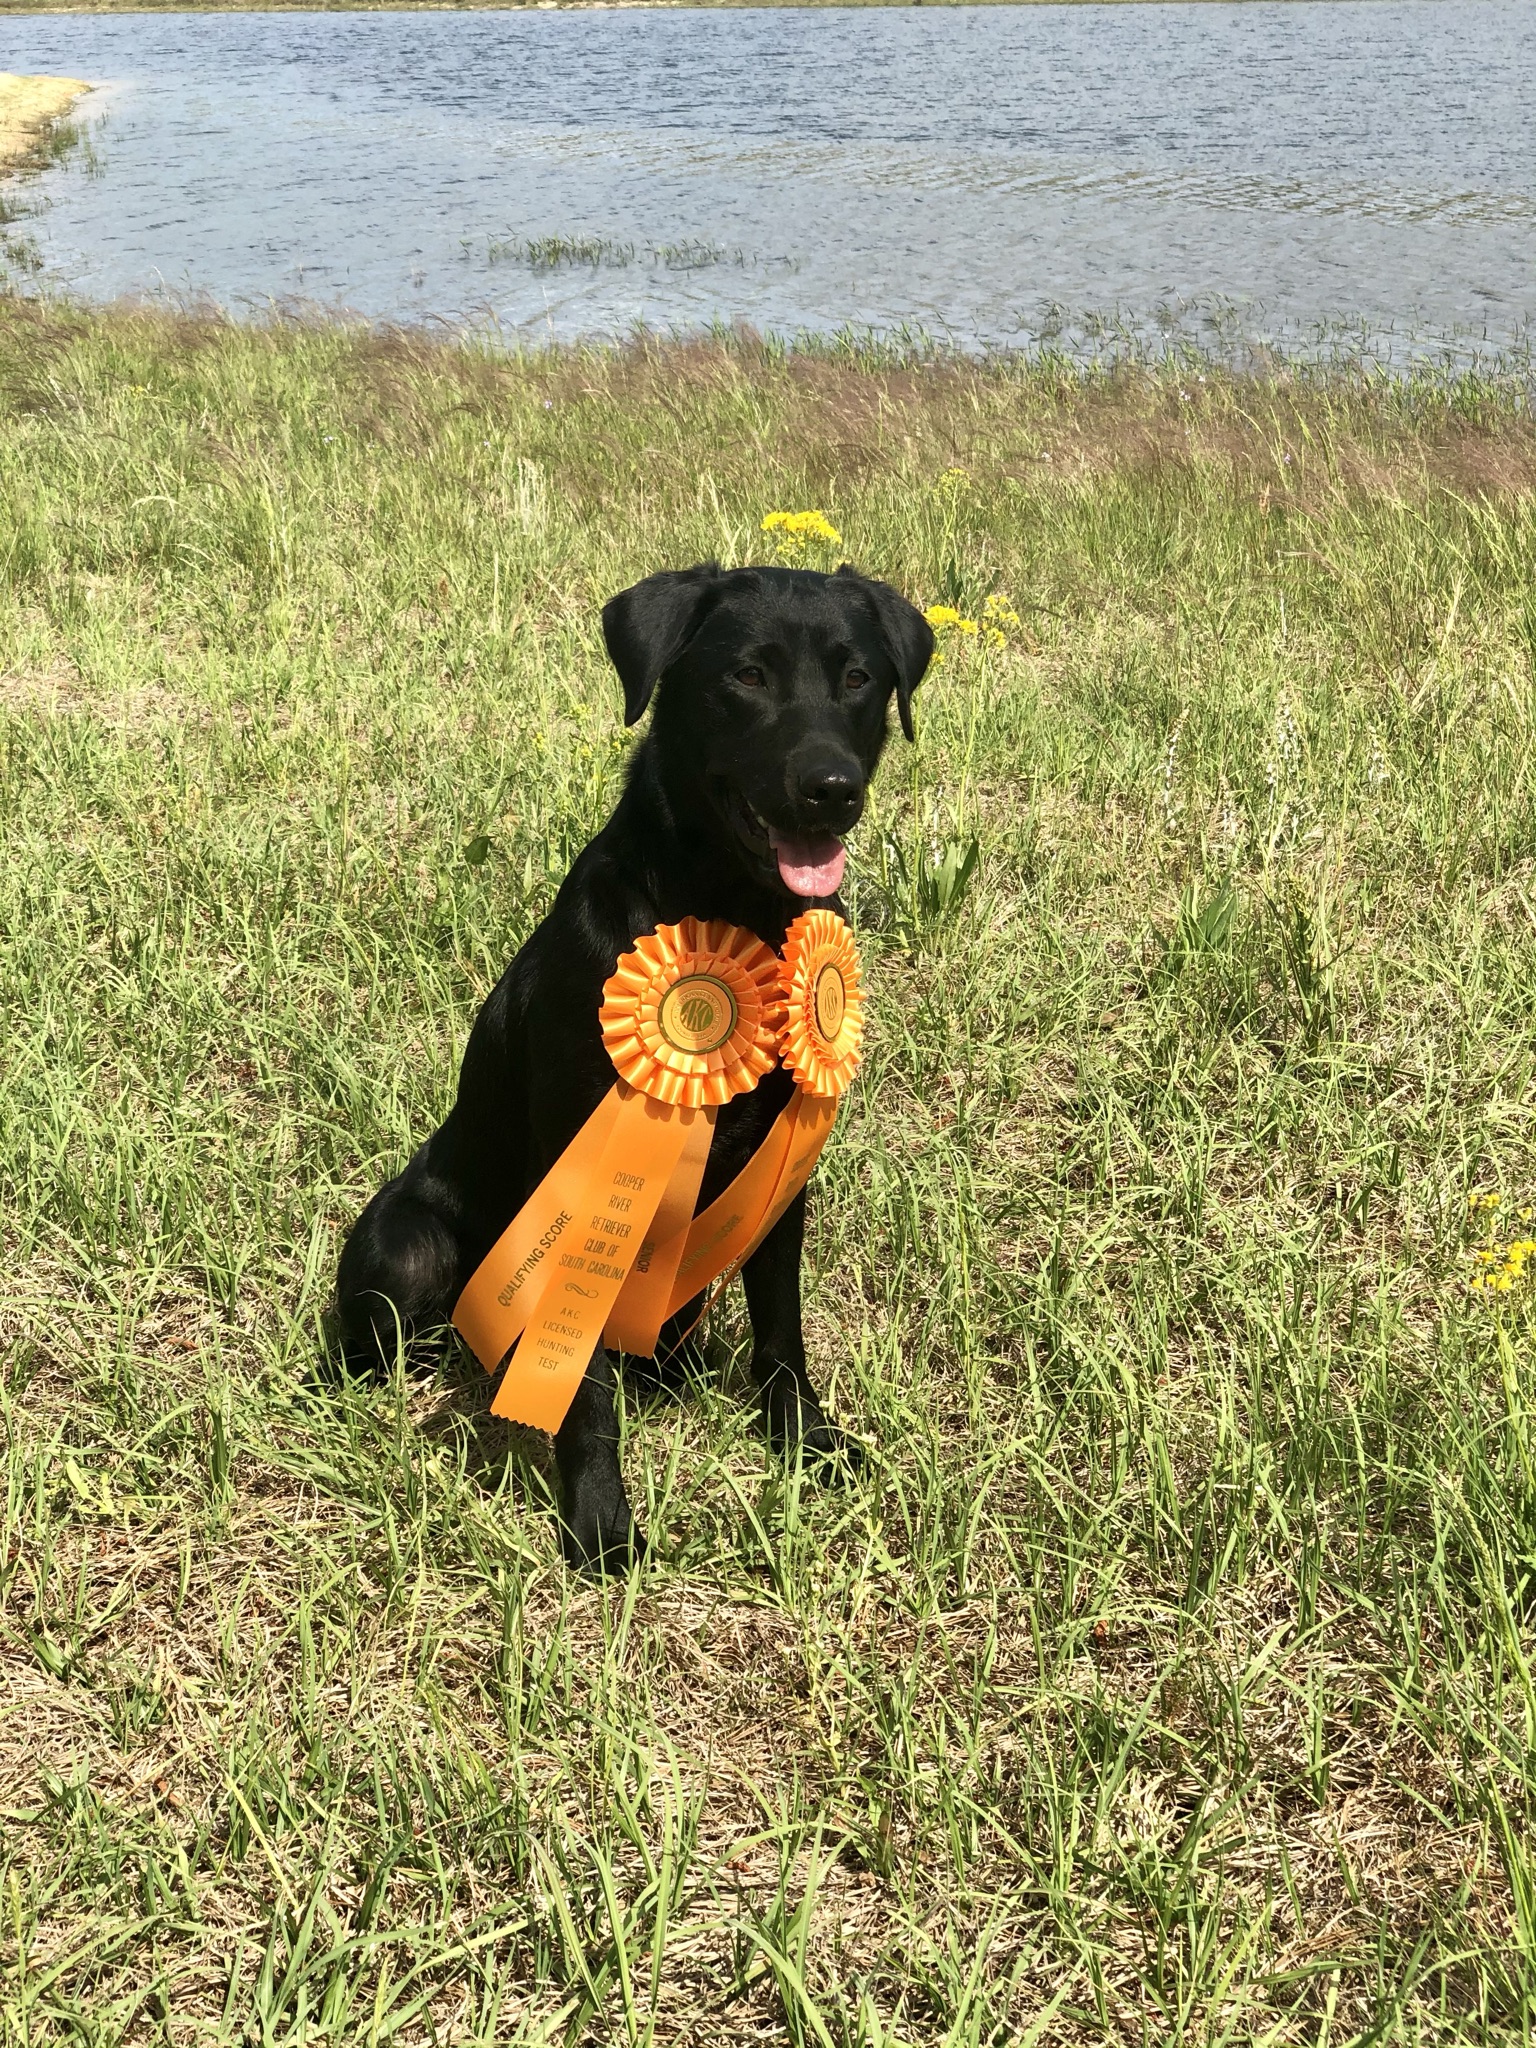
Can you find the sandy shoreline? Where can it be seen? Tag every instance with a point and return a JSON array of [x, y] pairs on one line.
[[27, 106]]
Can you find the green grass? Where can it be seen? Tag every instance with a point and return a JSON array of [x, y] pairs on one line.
[[1169, 1678]]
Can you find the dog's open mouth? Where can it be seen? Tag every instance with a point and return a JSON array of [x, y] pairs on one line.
[[808, 864]]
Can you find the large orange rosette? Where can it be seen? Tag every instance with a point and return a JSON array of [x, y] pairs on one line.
[[690, 1018], [693, 1015]]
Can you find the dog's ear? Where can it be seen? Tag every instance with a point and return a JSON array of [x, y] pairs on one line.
[[906, 633], [647, 627]]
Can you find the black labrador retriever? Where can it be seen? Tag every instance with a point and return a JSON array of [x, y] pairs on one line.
[[770, 717]]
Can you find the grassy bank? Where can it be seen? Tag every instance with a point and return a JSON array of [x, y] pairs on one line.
[[1169, 1678]]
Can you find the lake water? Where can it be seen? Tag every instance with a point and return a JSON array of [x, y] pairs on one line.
[[993, 175]]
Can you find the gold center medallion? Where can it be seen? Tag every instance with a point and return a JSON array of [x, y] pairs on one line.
[[697, 1014], [829, 1002]]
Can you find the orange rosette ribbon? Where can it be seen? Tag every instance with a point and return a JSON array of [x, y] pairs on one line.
[[693, 1015], [608, 1245], [824, 1003]]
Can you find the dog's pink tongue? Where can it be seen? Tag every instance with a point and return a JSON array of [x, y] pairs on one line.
[[810, 867]]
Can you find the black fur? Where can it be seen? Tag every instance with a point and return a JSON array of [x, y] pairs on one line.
[[759, 709]]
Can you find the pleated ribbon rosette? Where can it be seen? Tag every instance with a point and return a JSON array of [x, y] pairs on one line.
[[608, 1244]]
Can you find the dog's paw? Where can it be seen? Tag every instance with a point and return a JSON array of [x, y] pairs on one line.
[[832, 1453], [600, 1537], [795, 1426]]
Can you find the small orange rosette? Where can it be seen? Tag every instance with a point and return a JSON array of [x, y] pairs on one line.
[[823, 1034]]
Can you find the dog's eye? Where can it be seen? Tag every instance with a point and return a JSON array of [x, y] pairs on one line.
[[752, 677], [856, 678]]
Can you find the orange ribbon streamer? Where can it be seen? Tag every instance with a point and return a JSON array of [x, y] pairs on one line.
[[643, 1303], [492, 1312], [608, 1220], [607, 1245], [730, 1230]]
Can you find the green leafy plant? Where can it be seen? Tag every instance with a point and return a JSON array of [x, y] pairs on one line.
[[927, 889], [1202, 929]]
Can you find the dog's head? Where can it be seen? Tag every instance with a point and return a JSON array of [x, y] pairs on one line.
[[774, 686]]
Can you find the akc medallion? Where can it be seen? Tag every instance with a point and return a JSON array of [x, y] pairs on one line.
[[697, 1014]]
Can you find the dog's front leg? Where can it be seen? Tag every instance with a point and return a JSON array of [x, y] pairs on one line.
[[597, 1531], [792, 1415]]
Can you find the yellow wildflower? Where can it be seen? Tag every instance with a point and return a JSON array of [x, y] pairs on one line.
[[1502, 1269], [945, 619], [997, 616], [795, 531]]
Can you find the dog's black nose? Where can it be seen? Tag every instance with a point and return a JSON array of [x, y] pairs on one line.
[[829, 793]]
